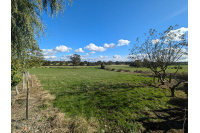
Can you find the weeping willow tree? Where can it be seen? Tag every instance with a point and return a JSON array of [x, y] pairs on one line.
[[27, 28]]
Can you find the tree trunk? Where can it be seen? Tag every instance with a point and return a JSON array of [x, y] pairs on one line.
[[172, 91], [163, 78]]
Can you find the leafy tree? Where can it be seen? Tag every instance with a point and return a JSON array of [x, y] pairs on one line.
[[159, 50], [54, 63], [110, 63], [82, 64], [117, 63], [136, 63], [75, 59], [27, 27], [66, 63], [85, 62], [98, 63], [61, 63], [103, 65]]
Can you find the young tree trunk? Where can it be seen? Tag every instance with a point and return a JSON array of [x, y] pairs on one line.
[[173, 88], [172, 91]]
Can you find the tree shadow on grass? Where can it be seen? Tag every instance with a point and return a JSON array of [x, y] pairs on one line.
[[168, 120]]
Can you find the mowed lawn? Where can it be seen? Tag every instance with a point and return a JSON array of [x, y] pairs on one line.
[[119, 101]]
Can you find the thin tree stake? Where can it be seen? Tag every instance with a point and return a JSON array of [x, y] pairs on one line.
[[27, 101]]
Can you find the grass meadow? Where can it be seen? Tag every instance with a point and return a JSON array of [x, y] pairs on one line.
[[120, 102]]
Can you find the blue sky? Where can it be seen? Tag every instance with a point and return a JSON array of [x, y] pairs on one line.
[[106, 30]]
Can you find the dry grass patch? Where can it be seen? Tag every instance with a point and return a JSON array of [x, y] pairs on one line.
[[76, 124]]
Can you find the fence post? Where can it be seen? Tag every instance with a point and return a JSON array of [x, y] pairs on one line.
[[17, 90], [23, 81], [27, 101], [31, 80], [170, 77]]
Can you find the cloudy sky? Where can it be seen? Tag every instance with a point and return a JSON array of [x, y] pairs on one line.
[[106, 30]]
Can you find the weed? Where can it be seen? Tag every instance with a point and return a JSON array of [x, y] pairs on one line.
[[119, 70]]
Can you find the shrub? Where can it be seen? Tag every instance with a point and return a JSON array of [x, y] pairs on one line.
[[119, 70], [113, 69], [15, 77], [126, 70], [182, 75], [138, 71], [102, 66], [107, 68]]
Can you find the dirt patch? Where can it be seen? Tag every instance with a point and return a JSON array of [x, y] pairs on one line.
[[42, 116]]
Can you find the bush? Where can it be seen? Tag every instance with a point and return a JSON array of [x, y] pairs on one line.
[[119, 70], [113, 69], [138, 71], [15, 78], [182, 75], [107, 68], [127, 71], [103, 66]]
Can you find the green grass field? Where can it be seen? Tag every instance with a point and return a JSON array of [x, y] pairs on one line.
[[116, 99]]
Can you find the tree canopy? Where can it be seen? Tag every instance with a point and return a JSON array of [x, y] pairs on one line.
[[27, 28], [27, 25], [159, 50], [75, 58]]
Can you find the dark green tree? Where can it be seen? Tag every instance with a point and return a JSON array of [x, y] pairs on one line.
[[75, 59]]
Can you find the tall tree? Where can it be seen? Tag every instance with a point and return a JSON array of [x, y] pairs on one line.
[[27, 27], [159, 50], [75, 58]]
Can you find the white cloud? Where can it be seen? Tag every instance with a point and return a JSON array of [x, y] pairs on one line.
[[91, 52], [155, 41], [79, 50], [86, 55], [50, 57], [103, 57], [62, 48], [111, 45], [116, 56], [175, 35], [93, 47], [47, 52], [67, 56], [122, 42]]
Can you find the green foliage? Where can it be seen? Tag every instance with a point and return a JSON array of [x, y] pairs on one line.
[[75, 59], [61, 63], [113, 69], [138, 71], [136, 63], [108, 68], [119, 70], [127, 70], [15, 77], [103, 65], [82, 64]]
